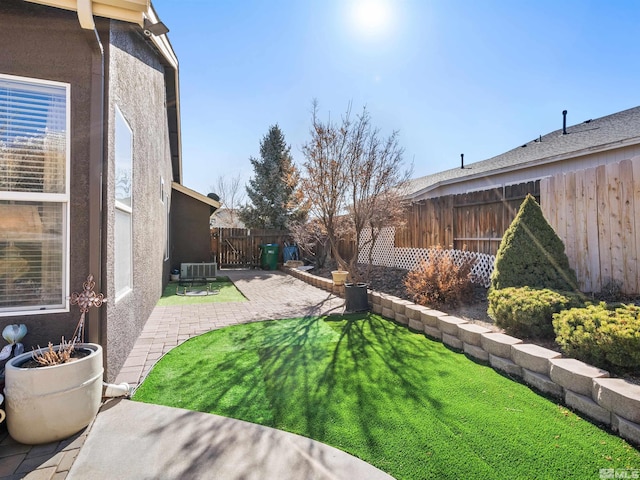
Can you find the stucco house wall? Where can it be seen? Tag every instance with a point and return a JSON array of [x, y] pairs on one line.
[[140, 81], [56, 50], [137, 87]]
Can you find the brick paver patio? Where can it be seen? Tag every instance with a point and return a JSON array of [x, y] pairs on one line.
[[270, 296]]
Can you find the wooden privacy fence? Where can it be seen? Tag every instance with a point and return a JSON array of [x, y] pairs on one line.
[[240, 247], [476, 220], [596, 214]]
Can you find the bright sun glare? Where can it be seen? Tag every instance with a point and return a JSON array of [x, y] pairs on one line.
[[371, 17]]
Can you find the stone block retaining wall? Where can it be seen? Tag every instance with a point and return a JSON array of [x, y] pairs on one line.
[[585, 389]]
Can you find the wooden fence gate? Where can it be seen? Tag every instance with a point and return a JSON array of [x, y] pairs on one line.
[[240, 247]]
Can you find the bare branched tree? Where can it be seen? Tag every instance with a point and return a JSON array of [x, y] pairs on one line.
[[353, 181], [312, 240], [231, 193]]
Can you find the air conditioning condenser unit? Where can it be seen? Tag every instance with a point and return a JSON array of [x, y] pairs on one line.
[[198, 270]]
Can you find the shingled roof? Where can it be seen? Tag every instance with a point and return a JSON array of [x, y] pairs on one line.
[[605, 133]]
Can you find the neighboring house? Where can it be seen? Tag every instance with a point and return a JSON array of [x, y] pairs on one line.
[[588, 144], [90, 168], [585, 177], [226, 218]]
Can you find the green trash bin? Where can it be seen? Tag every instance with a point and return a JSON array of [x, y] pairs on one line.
[[269, 256]]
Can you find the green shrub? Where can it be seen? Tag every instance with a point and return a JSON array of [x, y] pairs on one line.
[[442, 280], [528, 312], [602, 335], [531, 254]]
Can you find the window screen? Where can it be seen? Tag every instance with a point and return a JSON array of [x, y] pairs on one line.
[[33, 195]]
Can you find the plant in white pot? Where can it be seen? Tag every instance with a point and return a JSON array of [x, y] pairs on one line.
[[54, 392]]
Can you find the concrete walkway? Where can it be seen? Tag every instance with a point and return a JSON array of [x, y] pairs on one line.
[[130, 440]]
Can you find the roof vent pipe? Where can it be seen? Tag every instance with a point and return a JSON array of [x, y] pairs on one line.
[[564, 122], [462, 160]]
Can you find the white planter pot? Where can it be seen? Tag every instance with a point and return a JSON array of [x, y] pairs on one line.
[[47, 404]]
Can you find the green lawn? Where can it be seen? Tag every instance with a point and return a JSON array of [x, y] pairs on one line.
[[227, 292], [393, 398]]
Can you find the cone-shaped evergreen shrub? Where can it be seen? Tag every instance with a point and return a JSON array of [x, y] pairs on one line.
[[531, 254]]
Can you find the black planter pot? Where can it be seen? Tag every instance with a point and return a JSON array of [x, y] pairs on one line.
[[355, 297]]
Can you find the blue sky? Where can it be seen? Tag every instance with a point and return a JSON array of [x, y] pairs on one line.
[[477, 77]]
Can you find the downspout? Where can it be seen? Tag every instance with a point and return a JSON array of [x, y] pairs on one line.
[[96, 154]]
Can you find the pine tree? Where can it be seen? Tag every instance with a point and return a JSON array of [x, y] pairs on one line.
[[275, 199], [531, 254]]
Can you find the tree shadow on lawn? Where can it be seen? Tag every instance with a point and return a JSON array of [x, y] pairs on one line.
[[370, 387], [383, 373], [305, 376]]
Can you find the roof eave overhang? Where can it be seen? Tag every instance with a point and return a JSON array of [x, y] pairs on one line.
[[532, 163], [135, 12], [172, 82], [195, 195]]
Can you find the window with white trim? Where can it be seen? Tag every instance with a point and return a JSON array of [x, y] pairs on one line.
[[167, 225], [123, 200], [34, 195]]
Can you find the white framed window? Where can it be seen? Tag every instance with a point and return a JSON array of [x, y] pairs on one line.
[[164, 198], [34, 195], [167, 237], [124, 206]]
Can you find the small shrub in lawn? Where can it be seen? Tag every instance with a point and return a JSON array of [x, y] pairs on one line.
[[602, 335], [441, 280], [531, 254], [528, 312]]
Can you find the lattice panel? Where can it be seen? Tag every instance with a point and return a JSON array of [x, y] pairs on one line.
[[483, 268], [382, 250], [385, 254], [409, 258]]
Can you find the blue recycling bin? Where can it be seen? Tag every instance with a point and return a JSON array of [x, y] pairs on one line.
[[290, 253]]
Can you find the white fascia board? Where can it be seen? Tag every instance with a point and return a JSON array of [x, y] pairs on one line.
[[139, 5], [125, 15], [131, 11], [162, 42], [164, 47]]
